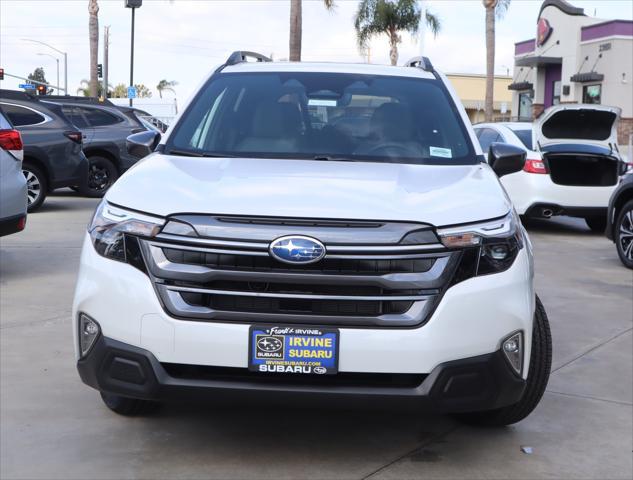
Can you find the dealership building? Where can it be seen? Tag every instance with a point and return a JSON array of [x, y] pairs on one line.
[[574, 58]]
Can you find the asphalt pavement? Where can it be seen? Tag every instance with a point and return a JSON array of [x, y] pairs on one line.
[[52, 426]]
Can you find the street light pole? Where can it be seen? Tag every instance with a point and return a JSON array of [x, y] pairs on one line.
[[65, 61], [132, 56], [133, 4], [56, 60]]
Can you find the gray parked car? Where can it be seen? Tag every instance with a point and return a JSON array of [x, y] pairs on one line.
[[12, 182], [105, 127], [52, 145]]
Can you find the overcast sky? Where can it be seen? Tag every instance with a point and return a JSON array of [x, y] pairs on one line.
[[182, 40]]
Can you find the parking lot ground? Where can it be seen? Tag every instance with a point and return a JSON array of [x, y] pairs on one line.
[[52, 426]]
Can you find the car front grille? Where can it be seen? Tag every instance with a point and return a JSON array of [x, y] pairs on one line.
[[236, 280]]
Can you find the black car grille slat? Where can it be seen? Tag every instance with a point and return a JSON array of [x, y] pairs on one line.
[[326, 266], [236, 303], [243, 375]]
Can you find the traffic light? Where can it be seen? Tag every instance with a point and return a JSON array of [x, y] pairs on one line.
[[41, 89], [1, 73], [100, 70]]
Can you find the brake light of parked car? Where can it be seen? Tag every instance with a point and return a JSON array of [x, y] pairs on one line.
[[10, 140], [534, 165], [74, 136]]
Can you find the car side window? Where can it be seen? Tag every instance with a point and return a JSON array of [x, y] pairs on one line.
[[20, 116], [99, 118], [488, 136], [74, 115]]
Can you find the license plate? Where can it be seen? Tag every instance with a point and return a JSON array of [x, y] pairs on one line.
[[300, 350]]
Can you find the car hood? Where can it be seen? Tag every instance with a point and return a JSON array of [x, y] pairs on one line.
[[438, 195], [578, 124]]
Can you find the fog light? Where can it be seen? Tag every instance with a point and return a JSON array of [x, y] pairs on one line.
[[513, 350], [88, 333]]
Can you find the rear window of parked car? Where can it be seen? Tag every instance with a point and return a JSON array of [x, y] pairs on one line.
[[99, 118], [21, 116], [307, 115], [525, 135]]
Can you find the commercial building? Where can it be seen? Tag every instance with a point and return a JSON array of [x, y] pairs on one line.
[[575, 58], [471, 89]]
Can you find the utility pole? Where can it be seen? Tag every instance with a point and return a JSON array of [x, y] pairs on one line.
[[106, 42]]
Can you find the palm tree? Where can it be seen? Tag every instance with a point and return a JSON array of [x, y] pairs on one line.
[[494, 9], [93, 27], [166, 85], [375, 17], [84, 88], [296, 27]]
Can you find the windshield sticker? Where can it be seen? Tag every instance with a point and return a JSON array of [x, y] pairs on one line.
[[440, 152], [321, 102]]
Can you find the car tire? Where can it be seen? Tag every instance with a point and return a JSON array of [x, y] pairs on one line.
[[624, 240], [102, 173], [129, 406], [538, 375], [36, 185], [597, 223]]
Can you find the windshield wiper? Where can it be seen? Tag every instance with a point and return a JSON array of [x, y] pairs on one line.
[[191, 153], [331, 158]]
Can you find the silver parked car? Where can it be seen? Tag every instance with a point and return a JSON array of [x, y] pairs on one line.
[[13, 198]]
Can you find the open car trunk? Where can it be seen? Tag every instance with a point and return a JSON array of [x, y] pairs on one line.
[[579, 144], [589, 169]]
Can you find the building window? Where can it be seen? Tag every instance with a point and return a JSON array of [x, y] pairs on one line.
[[591, 94], [525, 106], [556, 96]]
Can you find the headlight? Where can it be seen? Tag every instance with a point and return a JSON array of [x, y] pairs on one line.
[[113, 231], [489, 247]]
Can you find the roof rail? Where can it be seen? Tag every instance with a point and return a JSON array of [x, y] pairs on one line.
[[17, 95], [241, 56], [421, 62]]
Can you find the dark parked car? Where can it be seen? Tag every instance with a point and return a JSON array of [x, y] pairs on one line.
[[620, 220], [52, 145], [105, 128]]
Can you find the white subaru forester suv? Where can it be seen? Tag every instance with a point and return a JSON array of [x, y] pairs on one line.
[[325, 232]]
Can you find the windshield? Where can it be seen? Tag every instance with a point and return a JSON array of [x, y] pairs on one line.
[[324, 116], [525, 135]]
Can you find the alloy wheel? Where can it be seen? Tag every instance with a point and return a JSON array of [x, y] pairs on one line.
[[98, 177], [626, 235], [33, 186]]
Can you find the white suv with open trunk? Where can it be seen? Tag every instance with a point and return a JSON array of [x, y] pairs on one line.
[[314, 231]]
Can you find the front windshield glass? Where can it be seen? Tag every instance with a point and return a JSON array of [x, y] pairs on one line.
[[324, 116]]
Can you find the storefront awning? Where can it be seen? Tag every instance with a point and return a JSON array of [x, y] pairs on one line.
[[587, 77], [521, 86], [537, 61]]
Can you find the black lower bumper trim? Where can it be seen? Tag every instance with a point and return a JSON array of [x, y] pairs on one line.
[[472, 384], [12, 225]]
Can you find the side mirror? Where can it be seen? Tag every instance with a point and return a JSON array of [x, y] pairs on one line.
[[141, 144], [506, 159]]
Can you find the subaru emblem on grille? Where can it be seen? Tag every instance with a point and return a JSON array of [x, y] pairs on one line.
[[297, 249]]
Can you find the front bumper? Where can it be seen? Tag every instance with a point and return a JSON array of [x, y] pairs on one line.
[[471, 320], [478, 383]]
